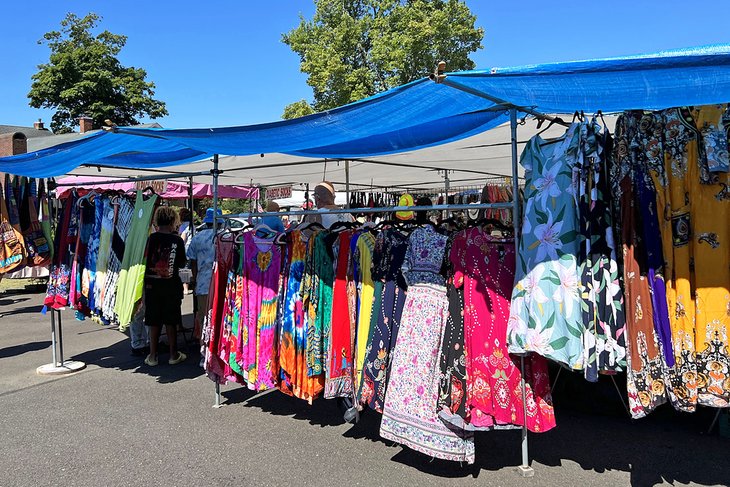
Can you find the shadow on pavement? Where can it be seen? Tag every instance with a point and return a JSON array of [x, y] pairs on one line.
[[34, 309], [12, 301], [24, 348], [118, 356], [594, 431]]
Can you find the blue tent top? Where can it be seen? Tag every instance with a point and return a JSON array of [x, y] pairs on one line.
[[417, 115]]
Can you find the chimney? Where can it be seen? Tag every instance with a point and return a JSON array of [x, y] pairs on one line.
[[39, 125], [86, 124]]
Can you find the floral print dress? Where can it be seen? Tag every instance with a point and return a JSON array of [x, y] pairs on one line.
[[546, 310], [410, 414]]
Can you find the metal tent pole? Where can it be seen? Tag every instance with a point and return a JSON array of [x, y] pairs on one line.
[[347, 183], [215, 231], [525, 469]]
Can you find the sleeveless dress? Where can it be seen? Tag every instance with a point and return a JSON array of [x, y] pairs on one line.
[[131, 276], [410, 414]]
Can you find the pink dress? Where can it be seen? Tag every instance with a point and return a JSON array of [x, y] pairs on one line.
[[484, 266], [258, 314]]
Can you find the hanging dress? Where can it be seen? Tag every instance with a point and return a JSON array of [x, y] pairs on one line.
[[545, 314], [131, 275], [122, 224], [294, 322], [390, 293], [79, 287], [105, 248], [319, 281], [212, 334], [338, 380], [410, 415], [484, 266], [603, 314], [364, 257], [59, 281], [453, 377], [262, 263], [709, 196], [645, 367]]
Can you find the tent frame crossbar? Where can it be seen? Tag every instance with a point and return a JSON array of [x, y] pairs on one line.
[[142, 178], [382, 209]]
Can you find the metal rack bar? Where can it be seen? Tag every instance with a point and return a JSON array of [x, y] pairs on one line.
[[384, 209]]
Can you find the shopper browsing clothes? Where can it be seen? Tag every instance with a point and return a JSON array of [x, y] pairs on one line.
[[163, 286], [201, 253], [324, 198]]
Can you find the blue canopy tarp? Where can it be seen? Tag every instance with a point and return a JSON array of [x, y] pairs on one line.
[[422, 113], [119, 150]]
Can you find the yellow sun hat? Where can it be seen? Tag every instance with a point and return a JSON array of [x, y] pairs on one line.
[[405, 200]]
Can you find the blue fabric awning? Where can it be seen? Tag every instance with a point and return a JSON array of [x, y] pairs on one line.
[[416, 115]]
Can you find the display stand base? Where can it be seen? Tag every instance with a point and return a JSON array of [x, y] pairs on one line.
[[68, 367], [525, 471]]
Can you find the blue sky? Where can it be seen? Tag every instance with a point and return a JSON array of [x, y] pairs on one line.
[[222, 63]]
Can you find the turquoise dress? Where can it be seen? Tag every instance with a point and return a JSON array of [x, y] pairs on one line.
[[545, 312]]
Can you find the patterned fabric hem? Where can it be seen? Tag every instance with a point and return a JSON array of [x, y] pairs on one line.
[[453, 447]]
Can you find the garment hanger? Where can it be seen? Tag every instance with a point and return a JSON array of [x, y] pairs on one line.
[[343, 225]]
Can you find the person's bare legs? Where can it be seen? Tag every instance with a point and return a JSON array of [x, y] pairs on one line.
[[172, 340], [154, 340]]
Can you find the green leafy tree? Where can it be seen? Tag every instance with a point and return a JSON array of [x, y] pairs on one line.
[[352, 49], [84, 77]]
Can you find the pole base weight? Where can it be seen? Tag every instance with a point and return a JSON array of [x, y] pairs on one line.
[[68, 367], [526, 471]]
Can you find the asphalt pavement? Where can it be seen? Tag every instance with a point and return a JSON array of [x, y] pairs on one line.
[[119, 422]]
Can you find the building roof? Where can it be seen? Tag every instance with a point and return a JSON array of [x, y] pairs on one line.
[[29, 132], [38, 142]]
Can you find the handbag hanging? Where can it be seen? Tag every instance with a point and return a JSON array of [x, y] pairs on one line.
[[12, 246], [36, 244]]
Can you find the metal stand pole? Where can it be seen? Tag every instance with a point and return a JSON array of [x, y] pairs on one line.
[[620, 396], [215, 230], [53, 338], [60, 338], [714, 421], [524, 469], [59, 366]]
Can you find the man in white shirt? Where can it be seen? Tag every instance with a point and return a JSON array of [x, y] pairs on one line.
[[324, 199]]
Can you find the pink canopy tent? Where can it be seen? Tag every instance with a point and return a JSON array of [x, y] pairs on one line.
[[172, 189]]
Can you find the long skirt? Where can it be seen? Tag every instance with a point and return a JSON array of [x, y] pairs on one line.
[[410, 414]]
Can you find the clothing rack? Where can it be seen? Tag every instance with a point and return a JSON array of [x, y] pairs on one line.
[[59, 366]]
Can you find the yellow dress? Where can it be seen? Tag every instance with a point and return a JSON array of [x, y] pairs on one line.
[[710, 247], [365, 246]]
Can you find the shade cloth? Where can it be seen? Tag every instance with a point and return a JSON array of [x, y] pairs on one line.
[[417, 115], [173, 189]]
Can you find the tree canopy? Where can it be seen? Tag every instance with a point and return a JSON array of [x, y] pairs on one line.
[[84, 77], [352, 49]]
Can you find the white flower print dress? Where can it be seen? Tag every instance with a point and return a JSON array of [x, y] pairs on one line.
[[545, 313]]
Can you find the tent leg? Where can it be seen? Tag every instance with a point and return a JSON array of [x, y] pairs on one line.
[[524, 469], [620, 396], [215, 230], [347, 184]]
